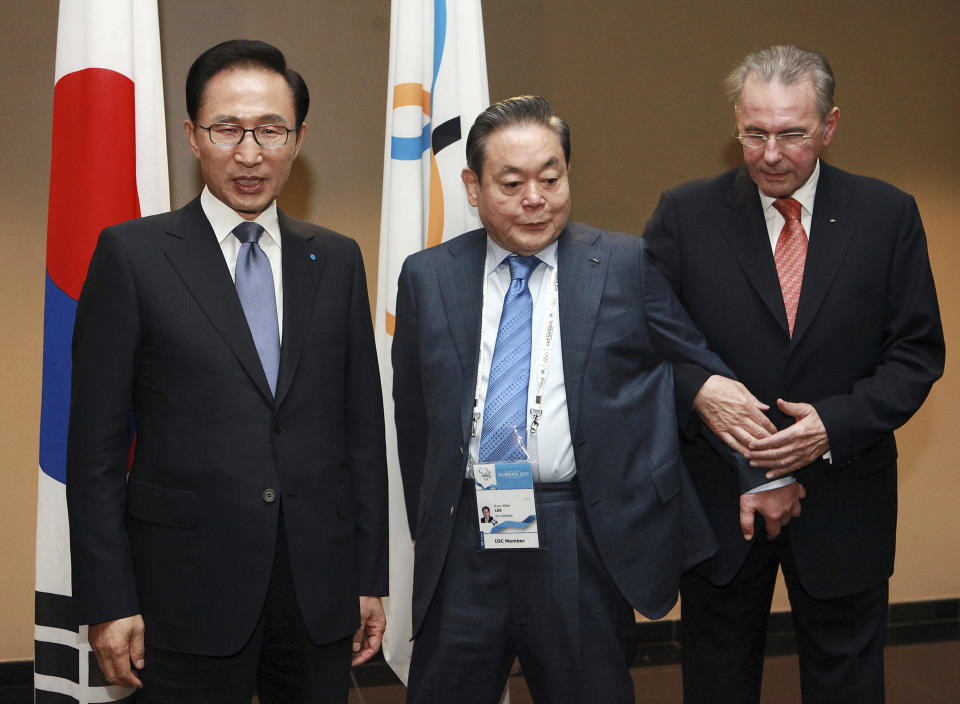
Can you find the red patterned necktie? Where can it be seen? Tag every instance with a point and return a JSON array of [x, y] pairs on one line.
[[790, 256]]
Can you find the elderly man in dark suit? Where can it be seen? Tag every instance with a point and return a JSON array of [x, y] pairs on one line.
[[814, 286], [249, 541], [617, 516]]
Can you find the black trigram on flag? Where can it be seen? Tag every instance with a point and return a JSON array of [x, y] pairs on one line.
[[65, 668]]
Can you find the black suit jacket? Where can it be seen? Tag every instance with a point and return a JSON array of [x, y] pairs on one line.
[[619, 322], [866, 348], [161, 340]]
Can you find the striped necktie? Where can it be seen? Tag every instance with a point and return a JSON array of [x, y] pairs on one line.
[[790, 256]]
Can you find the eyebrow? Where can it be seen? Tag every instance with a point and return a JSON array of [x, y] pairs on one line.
[[509, 169], [750, 129], [268, 119]]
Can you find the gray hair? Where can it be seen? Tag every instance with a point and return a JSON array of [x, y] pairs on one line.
[[786, 65], [521, 110]]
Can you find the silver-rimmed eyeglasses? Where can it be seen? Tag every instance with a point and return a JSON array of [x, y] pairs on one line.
[[226, 134], [787, 140]]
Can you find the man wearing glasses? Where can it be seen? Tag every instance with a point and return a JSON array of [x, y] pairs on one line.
[[249, 541], [814, 286]]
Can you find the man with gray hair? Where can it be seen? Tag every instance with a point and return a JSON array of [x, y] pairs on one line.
[[814, 286]]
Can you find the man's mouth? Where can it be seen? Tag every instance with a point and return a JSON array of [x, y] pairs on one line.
[[248, 184]]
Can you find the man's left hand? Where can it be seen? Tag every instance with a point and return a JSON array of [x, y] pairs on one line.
[[793, 447], [373, 622], [775, 506]]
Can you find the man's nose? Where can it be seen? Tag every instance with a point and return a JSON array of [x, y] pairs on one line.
[[248, 151], [771, 150], [532, 196]]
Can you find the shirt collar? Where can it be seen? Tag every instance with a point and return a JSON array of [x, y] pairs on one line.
[[223, 218], [805, 195], [496, 254]]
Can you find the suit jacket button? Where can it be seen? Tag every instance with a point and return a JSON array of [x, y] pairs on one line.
[[451, 511], [461, 450], [277, 426], [269, 496]]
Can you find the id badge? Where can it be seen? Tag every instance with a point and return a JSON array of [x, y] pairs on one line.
[[506, 509]]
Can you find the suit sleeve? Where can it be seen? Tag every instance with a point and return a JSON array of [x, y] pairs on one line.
[[663, 246], [365, 444], [105, 349], [677, 339], [673, 333], [408, 400], [911, 355]]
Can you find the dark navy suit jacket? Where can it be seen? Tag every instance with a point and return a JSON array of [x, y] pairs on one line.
[[621, 328], [189, 540]]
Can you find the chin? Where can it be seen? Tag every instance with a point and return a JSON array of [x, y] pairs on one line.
[[776, 190], [250, 208]]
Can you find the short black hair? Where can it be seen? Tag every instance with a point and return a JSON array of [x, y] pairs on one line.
[[521, 110], [243, 53]]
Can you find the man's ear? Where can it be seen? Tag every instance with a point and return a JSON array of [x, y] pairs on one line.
[[472, 183], [191, 132], [301, 132], [830, 126]]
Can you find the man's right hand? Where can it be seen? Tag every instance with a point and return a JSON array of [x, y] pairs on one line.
[[117, 644], [775, 506], [733, 413]]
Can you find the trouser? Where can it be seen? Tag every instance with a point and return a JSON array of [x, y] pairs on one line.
[[723, 634], [556, 609], [279, 662]]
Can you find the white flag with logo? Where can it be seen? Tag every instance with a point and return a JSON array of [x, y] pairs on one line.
[[437, 87]]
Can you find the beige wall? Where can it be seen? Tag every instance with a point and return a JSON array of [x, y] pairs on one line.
[[639, 84]]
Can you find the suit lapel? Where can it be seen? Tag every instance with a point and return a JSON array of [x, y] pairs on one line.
[[581, 271], [831, 231], [461, 284], [745, 229], [195, 254], [303, 263]]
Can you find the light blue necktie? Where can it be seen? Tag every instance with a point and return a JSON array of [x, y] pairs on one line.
[[505, 407], [254, 279]]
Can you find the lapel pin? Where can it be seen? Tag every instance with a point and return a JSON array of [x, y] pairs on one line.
[[833, 219], [313, 257], [595, 260]]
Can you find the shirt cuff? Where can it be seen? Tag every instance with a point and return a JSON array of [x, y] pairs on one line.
[[775, 484]]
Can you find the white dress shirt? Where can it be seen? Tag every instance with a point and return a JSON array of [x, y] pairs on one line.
[[551, 446], [223, 219]]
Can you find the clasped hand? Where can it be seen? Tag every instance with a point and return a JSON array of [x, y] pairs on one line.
[[737, 417], [793, 447]]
